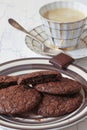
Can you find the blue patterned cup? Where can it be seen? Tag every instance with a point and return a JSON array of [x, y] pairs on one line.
[[64, 35]]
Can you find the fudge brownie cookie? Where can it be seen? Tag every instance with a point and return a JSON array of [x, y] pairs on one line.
[[6, 81], [16, 100], [64, 86], [30, 80], [53, 106]]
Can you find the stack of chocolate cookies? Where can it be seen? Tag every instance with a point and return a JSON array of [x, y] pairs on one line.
[[49, 92]]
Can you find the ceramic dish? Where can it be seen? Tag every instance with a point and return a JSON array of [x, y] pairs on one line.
[[22, 66], [79, 52]]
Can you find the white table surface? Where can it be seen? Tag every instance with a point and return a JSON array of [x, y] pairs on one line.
[[12, 41]]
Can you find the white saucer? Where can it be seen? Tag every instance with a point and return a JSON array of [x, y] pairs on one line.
[[79, 52]]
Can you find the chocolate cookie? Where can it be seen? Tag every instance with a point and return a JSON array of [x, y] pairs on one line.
[[53, 106], [6, 81], [17, 100], [64, 86], [30, 80]]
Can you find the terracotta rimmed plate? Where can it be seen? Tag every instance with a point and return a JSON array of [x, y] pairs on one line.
[[79, 51], [22, 66]]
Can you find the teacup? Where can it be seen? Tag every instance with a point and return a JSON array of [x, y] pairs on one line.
[[61, 31]]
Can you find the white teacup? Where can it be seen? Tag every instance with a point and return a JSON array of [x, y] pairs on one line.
[[64, 35]]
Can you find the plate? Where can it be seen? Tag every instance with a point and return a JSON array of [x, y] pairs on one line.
[[79, 52], [22, 66]]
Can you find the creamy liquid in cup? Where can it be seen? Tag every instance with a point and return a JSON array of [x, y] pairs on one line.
[[64, 15]]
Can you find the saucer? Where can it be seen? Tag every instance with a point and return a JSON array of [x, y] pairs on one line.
[[79, 51]]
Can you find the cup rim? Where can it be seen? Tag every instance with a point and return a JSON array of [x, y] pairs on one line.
[[56, 22]]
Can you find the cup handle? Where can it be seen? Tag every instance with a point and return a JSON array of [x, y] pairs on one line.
[[85, 29], [84, 33]]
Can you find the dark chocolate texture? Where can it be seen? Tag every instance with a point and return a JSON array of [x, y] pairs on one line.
[[6, 81], [30, 80], [61, 60]]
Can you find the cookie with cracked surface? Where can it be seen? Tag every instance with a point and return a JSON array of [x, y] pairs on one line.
[[64, 86], [54, 106], [6, 81], [16, 99], [34, 78]]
